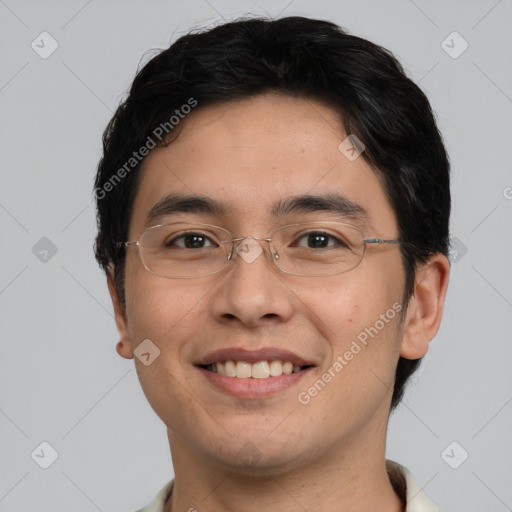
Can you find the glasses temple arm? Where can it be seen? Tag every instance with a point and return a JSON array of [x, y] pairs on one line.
[[381, 241]]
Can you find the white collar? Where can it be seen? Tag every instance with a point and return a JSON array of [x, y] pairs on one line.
[[415, 497]]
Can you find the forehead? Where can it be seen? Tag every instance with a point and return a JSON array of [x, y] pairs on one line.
[[253, 154]]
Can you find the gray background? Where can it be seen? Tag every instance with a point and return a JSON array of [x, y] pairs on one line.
[[61, 380]]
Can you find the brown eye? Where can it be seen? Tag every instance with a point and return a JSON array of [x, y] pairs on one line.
[[320, 240], [190, 241]]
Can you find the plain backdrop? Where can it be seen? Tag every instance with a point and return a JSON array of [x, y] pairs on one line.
[[61, 380]]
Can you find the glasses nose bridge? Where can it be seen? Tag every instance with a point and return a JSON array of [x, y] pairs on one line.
[[238, 244]]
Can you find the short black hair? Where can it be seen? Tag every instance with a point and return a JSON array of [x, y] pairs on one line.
[[305, 58]]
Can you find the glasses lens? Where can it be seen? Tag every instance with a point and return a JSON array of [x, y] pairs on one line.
[[184, 249], [318, 248]]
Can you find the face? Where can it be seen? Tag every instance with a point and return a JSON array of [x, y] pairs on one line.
[[248, 156]]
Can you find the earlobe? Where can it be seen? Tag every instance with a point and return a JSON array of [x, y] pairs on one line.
[[425, 308], [124, 346]]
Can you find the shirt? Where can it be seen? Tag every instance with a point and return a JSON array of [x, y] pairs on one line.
[[402, 480]]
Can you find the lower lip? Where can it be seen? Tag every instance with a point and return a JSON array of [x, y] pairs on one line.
[[253, 388]]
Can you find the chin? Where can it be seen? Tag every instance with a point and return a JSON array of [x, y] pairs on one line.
[[256, 457]]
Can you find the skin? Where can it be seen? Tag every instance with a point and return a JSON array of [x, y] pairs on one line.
[[330, 453]]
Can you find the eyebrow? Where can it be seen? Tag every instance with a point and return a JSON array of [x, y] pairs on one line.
[[332, 203], [179, 203]]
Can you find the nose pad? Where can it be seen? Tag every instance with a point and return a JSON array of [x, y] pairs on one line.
[[273, 254]]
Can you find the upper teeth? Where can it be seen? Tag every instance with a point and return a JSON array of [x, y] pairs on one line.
[[258, 370]]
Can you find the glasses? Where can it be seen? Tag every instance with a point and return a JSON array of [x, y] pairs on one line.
[[187, 250]]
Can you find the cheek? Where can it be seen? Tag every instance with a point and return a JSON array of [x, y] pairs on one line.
[[364, 339], [168, 313], [344, 305], [358, 315], [156, 307]]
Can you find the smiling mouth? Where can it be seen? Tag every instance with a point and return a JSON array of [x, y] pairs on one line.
[[258, 370]]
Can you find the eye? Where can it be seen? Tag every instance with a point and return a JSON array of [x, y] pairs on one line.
[[320, 240], [190, 241]]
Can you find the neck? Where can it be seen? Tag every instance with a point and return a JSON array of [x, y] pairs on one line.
[[352, 480]]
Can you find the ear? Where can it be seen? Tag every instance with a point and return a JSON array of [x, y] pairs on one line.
[[425, 308], [124, 346]]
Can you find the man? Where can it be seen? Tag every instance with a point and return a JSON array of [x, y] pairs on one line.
[[273, 209]]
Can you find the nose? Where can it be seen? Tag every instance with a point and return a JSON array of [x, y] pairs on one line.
[[252, 293]]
